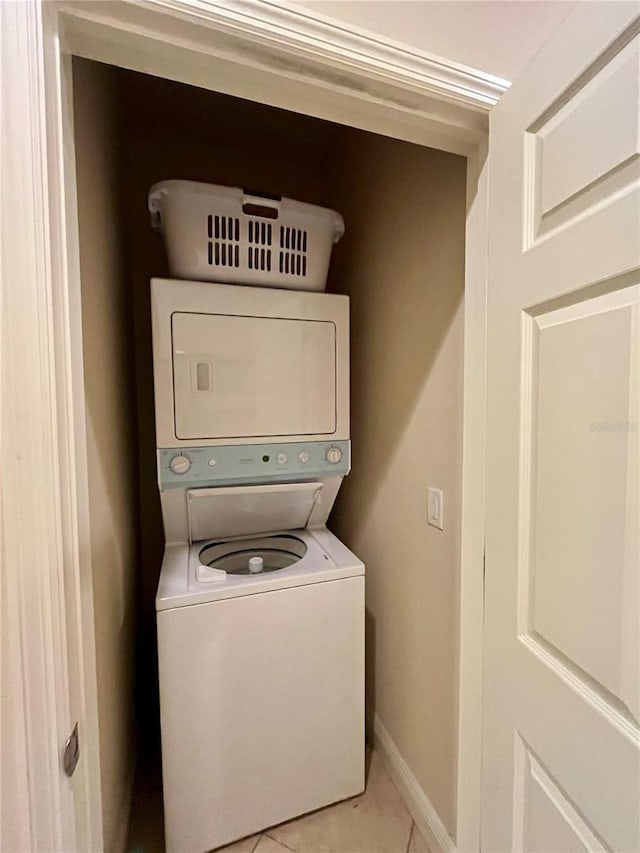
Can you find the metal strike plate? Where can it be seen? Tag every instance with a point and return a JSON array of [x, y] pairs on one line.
[[71, 754]]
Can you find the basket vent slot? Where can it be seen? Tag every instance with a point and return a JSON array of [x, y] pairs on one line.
[[259, 258], [260, 236], [224, 241], [260, 233], [293, 251]]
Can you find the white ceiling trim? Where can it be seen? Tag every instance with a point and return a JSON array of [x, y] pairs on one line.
[[274, 24]]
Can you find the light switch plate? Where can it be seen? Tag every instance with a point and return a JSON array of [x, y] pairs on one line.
[[435, 508]]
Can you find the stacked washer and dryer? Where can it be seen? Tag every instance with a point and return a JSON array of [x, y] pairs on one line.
[[260, 609]]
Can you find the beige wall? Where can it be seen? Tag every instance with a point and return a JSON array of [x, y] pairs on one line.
[[499, 38], [402, 263], [108, 366]]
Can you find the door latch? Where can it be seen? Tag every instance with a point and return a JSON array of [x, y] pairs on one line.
[[71, 754]]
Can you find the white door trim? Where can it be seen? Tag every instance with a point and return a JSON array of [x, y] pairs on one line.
[[324, 39], [471, 612], [264, 52], [36, 506], [258, 50]]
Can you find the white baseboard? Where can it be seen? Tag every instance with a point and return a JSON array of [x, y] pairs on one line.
[[419, 805]]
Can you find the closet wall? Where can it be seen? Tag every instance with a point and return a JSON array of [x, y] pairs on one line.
[[403, 267], [111, 431]]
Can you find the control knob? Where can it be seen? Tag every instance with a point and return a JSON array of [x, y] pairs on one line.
[[180, 464], [334, 455]]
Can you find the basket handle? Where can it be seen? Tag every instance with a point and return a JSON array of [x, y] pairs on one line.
[[155, 210], [261, 204]]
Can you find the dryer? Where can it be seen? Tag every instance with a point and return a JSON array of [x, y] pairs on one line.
[[260, 609]]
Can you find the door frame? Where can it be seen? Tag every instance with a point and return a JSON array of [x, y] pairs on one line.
[[256, 49]]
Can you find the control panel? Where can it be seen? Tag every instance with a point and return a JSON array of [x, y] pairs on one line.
[[255, 463]]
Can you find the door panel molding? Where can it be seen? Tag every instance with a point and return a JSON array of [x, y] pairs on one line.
[[560, 189], [581, 682], [530, 772]]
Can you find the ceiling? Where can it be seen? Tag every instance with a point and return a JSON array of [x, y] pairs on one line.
[[495, 36]]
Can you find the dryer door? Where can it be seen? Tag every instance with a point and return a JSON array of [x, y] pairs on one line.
[[252, 377]]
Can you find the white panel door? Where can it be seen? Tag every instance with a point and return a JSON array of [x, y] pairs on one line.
[[561, 747], [250, 377]]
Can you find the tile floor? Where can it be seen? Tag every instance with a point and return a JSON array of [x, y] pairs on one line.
[[375, 822]]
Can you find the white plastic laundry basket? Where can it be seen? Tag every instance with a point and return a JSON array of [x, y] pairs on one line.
[[225, 234]]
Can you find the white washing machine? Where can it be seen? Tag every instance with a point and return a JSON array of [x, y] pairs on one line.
[[260, 609]]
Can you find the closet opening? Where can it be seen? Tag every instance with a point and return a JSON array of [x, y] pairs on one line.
[[401, 262]]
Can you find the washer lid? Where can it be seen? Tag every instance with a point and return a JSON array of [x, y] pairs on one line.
[[227, 511]]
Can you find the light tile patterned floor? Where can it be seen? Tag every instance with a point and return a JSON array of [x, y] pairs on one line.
[[375, 822]]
